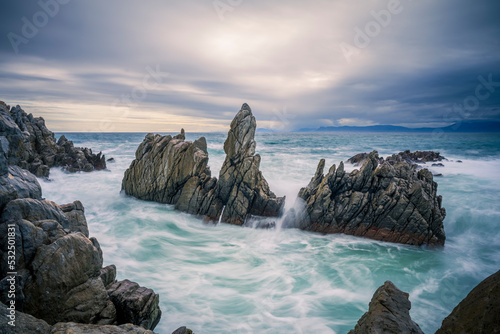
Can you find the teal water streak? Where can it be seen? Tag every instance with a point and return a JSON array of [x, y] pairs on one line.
[[229, 279]]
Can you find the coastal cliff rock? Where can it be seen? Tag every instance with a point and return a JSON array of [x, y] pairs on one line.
[[30, 145], [479, 312], [388, 312], [388, 202], [174, 171], [59, 275]]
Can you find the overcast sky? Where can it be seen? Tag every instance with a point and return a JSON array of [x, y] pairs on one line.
[[115, 65]]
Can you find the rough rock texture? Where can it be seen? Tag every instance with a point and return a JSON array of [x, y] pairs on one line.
[[416, 157], [73, 328], [59, 268], [135, 304], [390, 202], [479, 312], [24, 323], [241, 188], [174, 171], [388, 312], [164, 166], [30, 145]]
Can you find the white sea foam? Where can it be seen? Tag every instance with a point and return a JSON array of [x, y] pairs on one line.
[[226, 278]]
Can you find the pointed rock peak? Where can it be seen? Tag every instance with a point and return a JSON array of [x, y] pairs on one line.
[[240, 141], [245, 106], [181, 135]]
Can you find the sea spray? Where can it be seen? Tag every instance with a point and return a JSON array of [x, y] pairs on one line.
[[226, 278]]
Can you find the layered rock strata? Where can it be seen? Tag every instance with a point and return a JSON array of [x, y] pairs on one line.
[[388, 202], [171, 170], [30, 145]]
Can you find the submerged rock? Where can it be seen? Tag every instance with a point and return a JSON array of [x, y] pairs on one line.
[[388, 312], [30, 145], [174, 171], [390, 202], [479, 312]]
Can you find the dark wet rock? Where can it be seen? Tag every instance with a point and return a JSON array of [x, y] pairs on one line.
[[74, 328], [75, 214], [459, 161], [59, 268], [438, 175], [182, 330], [18, 183], [388, 312], [108, 275], [415, 157], [30, 145], [110, 160], [135, 304], [387, 202], [24, 323], [479, 312], [358, 159], [437, 165], [175, 171]]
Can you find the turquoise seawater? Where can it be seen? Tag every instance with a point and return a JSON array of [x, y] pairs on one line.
[[228, 279]]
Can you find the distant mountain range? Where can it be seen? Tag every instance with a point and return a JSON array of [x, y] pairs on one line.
[[471, 126]]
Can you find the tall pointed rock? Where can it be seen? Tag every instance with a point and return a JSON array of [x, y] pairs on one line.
[[242, 188]]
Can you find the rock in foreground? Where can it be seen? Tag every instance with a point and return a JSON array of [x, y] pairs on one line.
[[387, 202], [479, 312], [388, 312], [174, 171]]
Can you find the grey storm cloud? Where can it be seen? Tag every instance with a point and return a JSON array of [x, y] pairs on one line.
[[298, 64]]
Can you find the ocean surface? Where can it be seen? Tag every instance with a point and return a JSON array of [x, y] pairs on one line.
[[229, 279]]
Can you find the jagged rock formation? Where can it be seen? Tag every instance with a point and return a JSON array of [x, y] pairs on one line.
[[479, 312], [387, 202], [388, 312], [30, 145], [59, 275], [175, 171], [417, 157]]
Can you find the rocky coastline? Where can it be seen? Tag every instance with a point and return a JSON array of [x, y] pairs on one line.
[[61, 284], [28, 143], [174, 171], [47, 256], [388, 200]]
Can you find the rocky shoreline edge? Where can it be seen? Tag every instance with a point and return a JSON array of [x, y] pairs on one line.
[[59, 281]]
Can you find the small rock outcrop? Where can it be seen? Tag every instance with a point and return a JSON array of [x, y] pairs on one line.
[[388, 313], [171, 170], [479, 312], [387, 202], [30, 145]]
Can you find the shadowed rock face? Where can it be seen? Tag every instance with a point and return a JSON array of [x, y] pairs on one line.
[[479, 312], [30, 145], [389, 202], [174, 171], [388, 312]]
